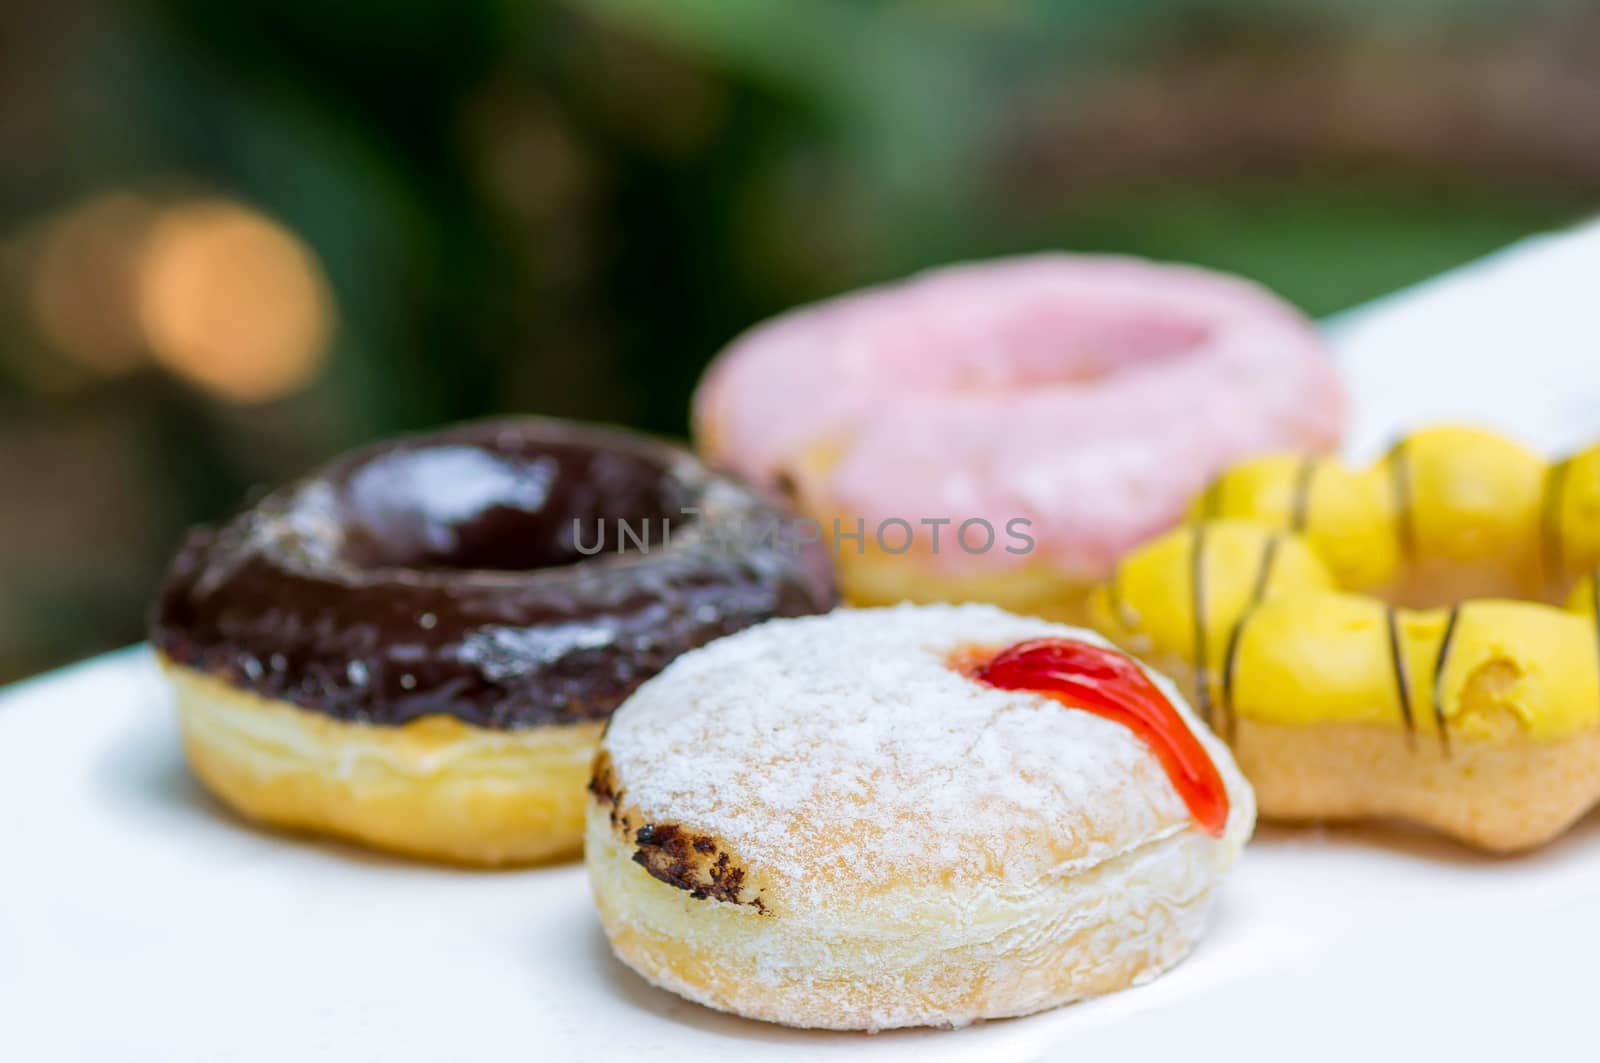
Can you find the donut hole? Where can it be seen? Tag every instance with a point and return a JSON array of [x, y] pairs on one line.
[[1079, 345], [1440, 583], [1046, 343], [462, 506]]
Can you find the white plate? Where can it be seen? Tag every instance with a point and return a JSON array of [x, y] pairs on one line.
[[139, 921]]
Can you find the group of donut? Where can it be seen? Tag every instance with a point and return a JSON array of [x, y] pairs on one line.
[[502, 642]]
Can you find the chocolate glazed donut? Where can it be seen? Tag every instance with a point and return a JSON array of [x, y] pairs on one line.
[[416, 647]]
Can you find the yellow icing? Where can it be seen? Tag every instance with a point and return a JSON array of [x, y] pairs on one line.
[[1449, 514]]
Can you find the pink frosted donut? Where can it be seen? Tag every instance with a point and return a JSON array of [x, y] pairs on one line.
[[1073, 404]]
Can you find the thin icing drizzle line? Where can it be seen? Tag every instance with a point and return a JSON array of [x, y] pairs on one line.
[[1230, 656], [1300, 513], [1269, 554], [1438, 676], [1402, 678], [1230, 664], [1211, 504], [1110, 684]]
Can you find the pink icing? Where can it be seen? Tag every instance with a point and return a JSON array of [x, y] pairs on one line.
[[1094, 396]]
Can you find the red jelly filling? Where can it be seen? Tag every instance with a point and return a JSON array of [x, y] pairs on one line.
[[1112, 685]]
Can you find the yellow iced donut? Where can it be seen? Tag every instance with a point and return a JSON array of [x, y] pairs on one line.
[[1302, 612]]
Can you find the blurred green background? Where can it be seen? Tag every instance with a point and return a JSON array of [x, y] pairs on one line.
[[237, 238]]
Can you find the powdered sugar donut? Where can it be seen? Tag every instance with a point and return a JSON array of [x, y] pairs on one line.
[[908, 816], [1064, 408]]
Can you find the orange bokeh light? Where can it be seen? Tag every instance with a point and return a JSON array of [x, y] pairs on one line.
[[233, 301]]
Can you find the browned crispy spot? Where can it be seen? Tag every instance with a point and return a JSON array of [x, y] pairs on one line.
[[678, 857], [603, 784], [692, 862]]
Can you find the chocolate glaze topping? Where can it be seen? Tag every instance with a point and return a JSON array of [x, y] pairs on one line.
[[442, 574]]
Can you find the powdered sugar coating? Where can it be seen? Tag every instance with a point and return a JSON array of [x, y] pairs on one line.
[[1091, 395], [841, 756]]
